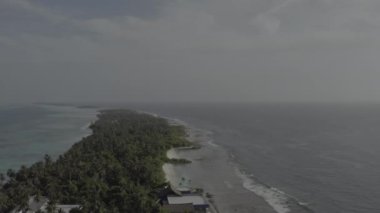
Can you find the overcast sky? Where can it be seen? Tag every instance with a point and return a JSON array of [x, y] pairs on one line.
[[189, 50]]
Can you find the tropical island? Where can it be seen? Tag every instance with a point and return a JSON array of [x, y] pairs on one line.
[[116, 169]]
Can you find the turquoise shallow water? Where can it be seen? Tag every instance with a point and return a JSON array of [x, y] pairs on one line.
[[29, 132]]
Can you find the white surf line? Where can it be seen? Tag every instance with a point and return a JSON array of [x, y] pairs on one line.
[[274, 197]]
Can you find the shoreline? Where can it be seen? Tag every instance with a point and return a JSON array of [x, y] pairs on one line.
[[46, 136], [97, 153], [214, 170], [168, 169]]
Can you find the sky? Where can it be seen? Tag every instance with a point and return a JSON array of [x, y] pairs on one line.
[[189, 51]]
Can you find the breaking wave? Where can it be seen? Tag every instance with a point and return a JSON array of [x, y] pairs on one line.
[[277, 199], [274, 197]]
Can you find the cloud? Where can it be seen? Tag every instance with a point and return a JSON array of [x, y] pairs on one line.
[[233, 50], [204, 25], [28, 6]]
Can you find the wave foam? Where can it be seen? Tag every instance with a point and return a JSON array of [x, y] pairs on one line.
[[274, 197], [211, 143]]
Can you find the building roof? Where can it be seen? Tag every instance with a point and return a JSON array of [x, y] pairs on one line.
[[34, 204], [66, 208], [179, 208], [194, 199]]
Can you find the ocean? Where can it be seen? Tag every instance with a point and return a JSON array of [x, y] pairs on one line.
[[28, 132], [324, 156]]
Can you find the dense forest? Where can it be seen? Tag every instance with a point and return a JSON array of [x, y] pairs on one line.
[[116, 169]]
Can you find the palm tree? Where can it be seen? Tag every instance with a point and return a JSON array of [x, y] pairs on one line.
[[2, 179], [51, 207]]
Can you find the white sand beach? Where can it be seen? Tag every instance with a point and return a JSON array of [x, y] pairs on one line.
[[170, 173]]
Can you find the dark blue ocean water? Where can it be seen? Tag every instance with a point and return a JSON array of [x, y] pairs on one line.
[[325, 155], [27, 133]]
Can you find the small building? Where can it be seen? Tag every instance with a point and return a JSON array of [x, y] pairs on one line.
[[36, 204], [183, 199], [66, 208], [197, 201], [186, 203], [179, 208]]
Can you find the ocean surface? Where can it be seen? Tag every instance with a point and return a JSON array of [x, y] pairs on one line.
[[324, 156], [29, 132]]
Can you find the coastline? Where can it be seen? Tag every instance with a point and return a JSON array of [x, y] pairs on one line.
[[215, 170], [43, 130], [212, 170], [227, 187], [168, 168], [119, 181]]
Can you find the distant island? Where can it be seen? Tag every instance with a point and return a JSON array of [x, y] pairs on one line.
[[116, 169]]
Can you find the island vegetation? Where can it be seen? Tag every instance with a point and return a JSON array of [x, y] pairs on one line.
[[178, 161], [116, 169]]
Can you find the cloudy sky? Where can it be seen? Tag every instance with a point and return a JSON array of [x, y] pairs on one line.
[[189, 50]]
